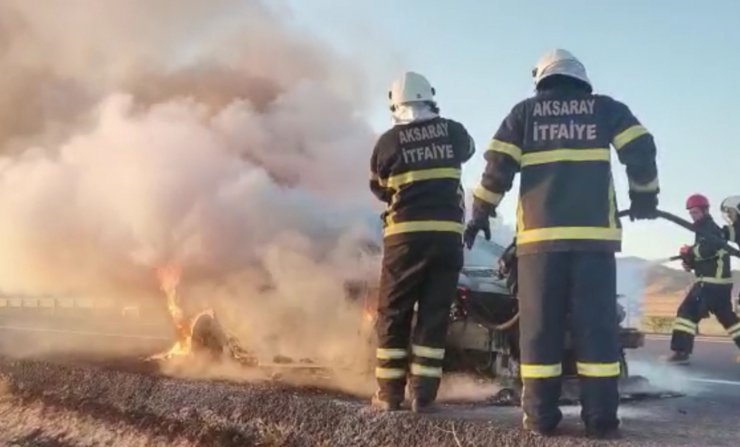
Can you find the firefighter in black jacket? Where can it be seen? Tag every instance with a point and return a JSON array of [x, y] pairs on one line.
[[712, 291], [415, 170], [567, 232]]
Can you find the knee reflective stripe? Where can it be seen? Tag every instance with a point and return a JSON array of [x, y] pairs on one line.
[[390, 353], [390, 373], [534, 371], [684, 325], [428, 352], [598, 369], [426, 371], [734, 331]]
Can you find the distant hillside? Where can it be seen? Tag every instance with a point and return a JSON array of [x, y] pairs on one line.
[[663, 289]]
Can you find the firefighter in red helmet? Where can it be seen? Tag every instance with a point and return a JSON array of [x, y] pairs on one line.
[[712, 291]]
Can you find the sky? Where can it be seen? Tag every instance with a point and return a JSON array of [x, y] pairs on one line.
[[675, 63]]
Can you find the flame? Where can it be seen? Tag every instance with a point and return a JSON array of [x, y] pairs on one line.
[[169, 280]]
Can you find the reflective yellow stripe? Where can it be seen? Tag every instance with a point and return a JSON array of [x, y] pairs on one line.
[[506, 148], [696, 252], [734, 330], [569, 155], [708, 280], [422, 174], [598, 369], [519, 216], [686, 322], [628, 135], [562, 233], [612, 204], [390, 353], [683, 329], [678, 324], [390, 373], [652, 186], [426, 371], [684, 325], [430, 353], [423, 225], [535, 371], [487, 196]]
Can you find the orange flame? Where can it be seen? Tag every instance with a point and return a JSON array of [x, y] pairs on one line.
[[169, 280]]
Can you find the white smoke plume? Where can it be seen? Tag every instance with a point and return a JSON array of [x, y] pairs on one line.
[[205, 134]]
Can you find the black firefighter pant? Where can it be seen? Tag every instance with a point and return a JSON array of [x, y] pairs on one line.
[[702, 299], [421, 268], [558, 290]]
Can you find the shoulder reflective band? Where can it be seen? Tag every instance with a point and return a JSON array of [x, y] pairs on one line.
[[430, 353], [734, 331], [511, 150], [626, 136], [684, 325], [598, 369], [390, 373], [390, 353], [487, 196], [565, 233], [565, 155], [425, 371], [534, 371], [422, 174], [423, 225]]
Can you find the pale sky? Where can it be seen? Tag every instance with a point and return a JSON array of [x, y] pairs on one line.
[[675, 63]]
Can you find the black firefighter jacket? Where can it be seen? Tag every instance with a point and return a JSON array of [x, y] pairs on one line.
[[559, 142], [415, 169]]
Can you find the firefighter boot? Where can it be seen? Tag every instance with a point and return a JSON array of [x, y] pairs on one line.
[[384, 405], [678, 358], [423, 406]]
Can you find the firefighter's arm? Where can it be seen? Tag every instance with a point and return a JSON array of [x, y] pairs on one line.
[[503, 158], [635, 149], [706, 248], [376, 182]]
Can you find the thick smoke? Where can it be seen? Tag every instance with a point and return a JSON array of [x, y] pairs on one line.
[[203, 134]]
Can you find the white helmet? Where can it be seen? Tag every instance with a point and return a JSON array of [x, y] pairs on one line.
[[730, 208], [559, 62], [411, 87]]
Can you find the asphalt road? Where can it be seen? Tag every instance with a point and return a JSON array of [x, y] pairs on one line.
[[713, 372], [708, 414]]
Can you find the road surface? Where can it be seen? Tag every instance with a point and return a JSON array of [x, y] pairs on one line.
[[707, 415]]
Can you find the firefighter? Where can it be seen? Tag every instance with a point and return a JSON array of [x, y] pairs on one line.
[[415, 170], [567, 232], [712, 291], [730, 208]]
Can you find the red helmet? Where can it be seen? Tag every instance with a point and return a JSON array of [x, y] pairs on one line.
[[697, 201]]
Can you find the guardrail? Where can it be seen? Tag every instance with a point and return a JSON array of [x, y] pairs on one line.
[[63, 305]]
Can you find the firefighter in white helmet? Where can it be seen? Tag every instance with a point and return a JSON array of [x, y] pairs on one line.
[[567, 232], [415, 169], [730, 208]]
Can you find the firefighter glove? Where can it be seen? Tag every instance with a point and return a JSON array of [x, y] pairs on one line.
[[644, 205], [474, 226]]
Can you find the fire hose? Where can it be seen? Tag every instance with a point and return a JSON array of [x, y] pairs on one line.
[[732, 251], [662, 214]]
